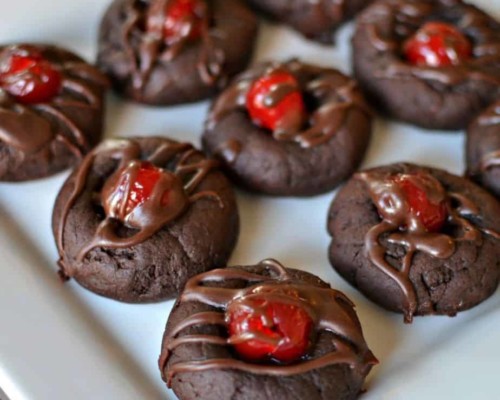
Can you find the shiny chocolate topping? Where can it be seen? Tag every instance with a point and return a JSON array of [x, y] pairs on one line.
[[330, 96], [400, 226], [29, 128], [146, 48], [330, 310], [389, 23], [171, 196]]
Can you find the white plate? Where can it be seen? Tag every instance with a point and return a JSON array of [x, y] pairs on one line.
[[61, 342]]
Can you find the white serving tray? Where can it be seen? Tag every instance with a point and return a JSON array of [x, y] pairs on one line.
[[58, 341]]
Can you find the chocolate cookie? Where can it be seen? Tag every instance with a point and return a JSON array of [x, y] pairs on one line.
[[167, 52], [51, 110], [316, 20], [433, 63], [139, 217], [289, 128], [483, 149], [263, 332], [416, 240]]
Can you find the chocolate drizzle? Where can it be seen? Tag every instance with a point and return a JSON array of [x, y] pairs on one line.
[[390, 22], [330, 310], [146, 48], [400, 226], [31, 128], [330, 94], [189, 169]]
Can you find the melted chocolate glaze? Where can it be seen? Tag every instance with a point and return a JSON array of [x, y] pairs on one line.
[[333, 96], [400, 226], [143, 42], [145, 48], [29, 128], [189, 169], [327, 307], [393, 21]]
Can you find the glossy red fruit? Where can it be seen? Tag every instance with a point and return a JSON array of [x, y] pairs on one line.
[[183, 19], [437, 44], [126, 196], [267, 115], [269, 330], [28, 77], [432, 214]]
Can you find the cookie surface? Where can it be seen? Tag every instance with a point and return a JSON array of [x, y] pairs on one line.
[[51, 110], [311, 150], [141, 216], [148, 67], [483, 149], [416, 240], [432, 97], [198, 360], [314, 19]]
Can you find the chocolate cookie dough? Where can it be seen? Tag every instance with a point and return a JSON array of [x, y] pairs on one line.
[[263, 332], [416, 240], [316, 20], [166, 52], [483, 149], [289, 128], [140, 216], [432, 63], [51, 110]]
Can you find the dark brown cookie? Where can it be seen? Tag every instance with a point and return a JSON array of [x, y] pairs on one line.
[[432, 97], [51, 110], [140, 216], [150, 65], [319, 136], [483, 149], [416, 240], [316, 20], [232, 329]]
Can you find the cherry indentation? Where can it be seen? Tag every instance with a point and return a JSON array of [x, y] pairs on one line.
[[273, 98], [183, 19], [133, 188], [432, 213], [262, 330], [27, 76], [437, 44]]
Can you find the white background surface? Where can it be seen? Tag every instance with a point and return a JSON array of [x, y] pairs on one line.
[[61, 342]]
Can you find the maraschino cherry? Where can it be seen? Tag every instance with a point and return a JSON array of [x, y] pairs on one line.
[[134, 186], [183, 19], [27, 76], [268, 114], [262, 330], [432, 213], [437, 44]]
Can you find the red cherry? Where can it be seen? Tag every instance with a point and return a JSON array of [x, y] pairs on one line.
[[126, 195], [432, 214], [437, 44], [267, 115], [183, 19], [28, 77], [269, 330]]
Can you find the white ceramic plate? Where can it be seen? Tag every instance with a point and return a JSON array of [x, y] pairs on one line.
[[61, 342]]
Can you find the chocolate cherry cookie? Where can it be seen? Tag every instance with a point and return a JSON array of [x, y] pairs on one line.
[[416, 240], [289, 128], [51, 110], [167, 52], [316, 20], [483, 149], [140, 216], [433, 63], [263, 332]]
